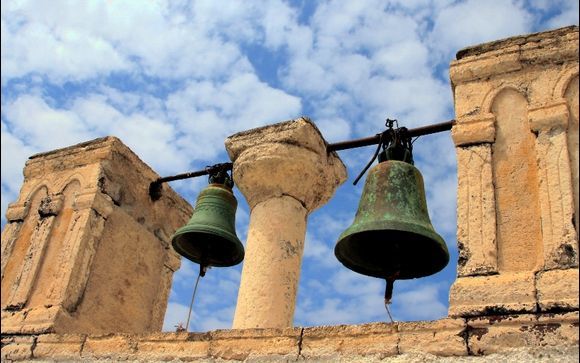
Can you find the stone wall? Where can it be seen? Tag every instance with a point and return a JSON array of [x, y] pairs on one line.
[[544, 337], [85, 249]]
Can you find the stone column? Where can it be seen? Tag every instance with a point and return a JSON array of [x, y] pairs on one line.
[[518, 248], [285, 173], [85, 249]]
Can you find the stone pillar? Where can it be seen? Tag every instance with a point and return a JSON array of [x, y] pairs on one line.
[[85, 250], [285, 173], [518, 246]]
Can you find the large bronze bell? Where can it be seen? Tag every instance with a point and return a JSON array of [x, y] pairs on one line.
[[392, 236], [209, 238]]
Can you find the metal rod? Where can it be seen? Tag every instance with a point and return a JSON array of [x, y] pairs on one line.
[[155, 187], [194, 174], [201, 274], [373, 140], [191, 303]]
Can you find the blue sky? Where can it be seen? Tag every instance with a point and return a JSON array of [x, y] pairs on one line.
[[173, 79]]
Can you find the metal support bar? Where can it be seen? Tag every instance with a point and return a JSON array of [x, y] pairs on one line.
[[155, 187], [373, 140]]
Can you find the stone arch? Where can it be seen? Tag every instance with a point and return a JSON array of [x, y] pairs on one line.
[[62, 235], [565, 78], [491, 96], [60, 187], [12, 270], [515, 176]]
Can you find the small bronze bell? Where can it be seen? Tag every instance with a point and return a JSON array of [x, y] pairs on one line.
[[392, 236], [209, 238]]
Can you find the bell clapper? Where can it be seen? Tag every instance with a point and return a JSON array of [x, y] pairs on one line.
[[389, 293], [202, 271]]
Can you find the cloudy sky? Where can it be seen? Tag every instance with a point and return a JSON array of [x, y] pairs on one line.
[[172, 79]]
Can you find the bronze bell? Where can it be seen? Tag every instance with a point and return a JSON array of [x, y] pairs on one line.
[[392, 236], [209, 238]]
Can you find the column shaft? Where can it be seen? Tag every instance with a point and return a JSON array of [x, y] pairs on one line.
[[269, 284]]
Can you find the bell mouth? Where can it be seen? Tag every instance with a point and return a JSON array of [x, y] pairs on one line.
[[208, 248], [404, 254]]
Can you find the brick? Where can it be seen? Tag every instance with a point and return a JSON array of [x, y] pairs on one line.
[[440, 337], [241, 344], [329, 342], [503, 333], [558, 289], [170, 346], [59, 346]]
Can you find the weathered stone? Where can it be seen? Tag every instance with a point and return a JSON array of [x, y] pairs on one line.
[[90, 256], [474, 130], [59, 347], [558, 289], [476, 239], [546, 118], [502, 333], [492, 63], [516, 183], [288, 158], [333, 342], [115, 347], [171, 346], [490, 295], [440, 337], [515, 219], [15, 348], [271, 271], [254, 343], [570, 93], [560, 244], [508, 55], [284, 172]]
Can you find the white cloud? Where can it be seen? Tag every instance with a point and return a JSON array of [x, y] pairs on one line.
[[208, 112], [14, 154], [421, 303], [472, 22], [568, 14], [34, 121]]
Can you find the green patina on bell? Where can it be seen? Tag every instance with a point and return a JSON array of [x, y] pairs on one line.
[[209, 238], [392, 236]]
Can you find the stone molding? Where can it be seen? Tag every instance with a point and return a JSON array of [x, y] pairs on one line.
[[474, 130], [513, 54], [549, 117]]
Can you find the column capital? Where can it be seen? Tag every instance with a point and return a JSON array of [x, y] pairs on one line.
[[288, 158]]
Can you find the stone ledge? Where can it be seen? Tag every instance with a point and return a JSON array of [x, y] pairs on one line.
[[446, 339], [513, 54], [512, 293], [477, 50]]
